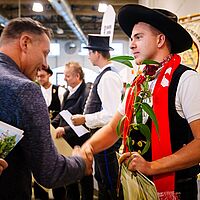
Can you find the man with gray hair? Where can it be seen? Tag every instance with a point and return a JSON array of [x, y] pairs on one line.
[[74, 101]]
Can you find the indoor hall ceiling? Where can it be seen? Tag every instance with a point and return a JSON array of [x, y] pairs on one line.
[[85, 13]]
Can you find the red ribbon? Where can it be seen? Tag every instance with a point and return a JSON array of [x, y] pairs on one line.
[[129, 109], [161, 146]]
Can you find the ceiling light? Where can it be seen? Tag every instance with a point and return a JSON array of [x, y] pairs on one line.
[[37, 7], [59, 31], [102, 7], [3, 25]]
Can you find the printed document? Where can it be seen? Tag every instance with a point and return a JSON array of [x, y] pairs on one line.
[[79, 130]]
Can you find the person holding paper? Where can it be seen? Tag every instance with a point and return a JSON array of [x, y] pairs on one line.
[[3, 165], [173, 163], [74, 101], [24, 47], [101, 105]]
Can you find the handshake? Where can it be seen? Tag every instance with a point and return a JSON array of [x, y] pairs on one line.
[[86, 152]]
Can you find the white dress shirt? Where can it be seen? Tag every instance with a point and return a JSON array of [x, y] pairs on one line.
[[73, 90], [109, 90], [187, 99]]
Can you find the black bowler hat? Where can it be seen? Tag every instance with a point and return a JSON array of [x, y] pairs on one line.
[[163, 20], [98, 42], [47, 69]]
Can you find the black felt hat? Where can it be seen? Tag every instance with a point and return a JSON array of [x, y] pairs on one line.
[[47, 69], [163, 20], [98, 42]]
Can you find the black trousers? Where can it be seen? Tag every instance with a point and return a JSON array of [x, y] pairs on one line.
[[187, 189], [76, 191], [106, 174], [59, 193], [83, 191], [40, 193]]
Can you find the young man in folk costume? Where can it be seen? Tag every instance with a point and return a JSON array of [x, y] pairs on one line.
[[173, 158]]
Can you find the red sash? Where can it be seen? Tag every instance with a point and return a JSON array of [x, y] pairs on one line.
[[161, 147]]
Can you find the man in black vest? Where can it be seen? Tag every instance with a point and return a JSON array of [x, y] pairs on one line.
[[74, 101], [53, 96], [101, 105], [156, 35]]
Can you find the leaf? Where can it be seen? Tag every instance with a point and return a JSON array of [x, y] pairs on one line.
[[146, 147], [129, 143], [150, 62], [144, 129], [128, 85], [148, 109], [133, 126], [145, 85], [138, 110], [118, 129], [124, 60], [139, 116], [138, 99]]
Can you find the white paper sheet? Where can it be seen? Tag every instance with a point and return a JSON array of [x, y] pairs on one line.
[[61, 144], [79, 130]]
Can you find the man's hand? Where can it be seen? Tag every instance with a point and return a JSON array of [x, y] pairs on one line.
[[134, 161], [78, 119], [88, 149], [60, 131], [87, 156], [3, 165]]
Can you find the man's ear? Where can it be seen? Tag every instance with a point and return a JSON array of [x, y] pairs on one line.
[[161, 40], [24, 41], [97, 54], [78, 76]]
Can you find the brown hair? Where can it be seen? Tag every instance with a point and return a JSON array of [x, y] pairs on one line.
[[46, 69], [17, 26], [157, 32], [77, 69], [105, 54]]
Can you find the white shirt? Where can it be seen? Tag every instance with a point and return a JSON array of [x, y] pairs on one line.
[[109, 90], [187, 99], [47, 93], [73, 90]]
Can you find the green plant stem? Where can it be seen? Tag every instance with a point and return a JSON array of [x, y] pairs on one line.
[[119, 180]]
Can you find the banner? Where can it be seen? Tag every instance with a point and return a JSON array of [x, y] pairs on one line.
[[108, 23], [191, 57]]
